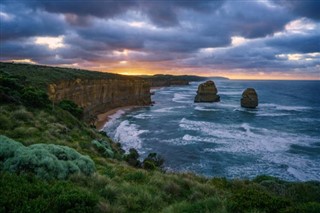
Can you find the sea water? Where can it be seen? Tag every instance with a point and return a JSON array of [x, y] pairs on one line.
[[281, 137]]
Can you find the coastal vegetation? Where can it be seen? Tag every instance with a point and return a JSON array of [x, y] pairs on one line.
[[52, 161]]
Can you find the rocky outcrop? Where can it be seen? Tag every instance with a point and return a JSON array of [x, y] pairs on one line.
[[249, 98], [207, 92], [100, 95]]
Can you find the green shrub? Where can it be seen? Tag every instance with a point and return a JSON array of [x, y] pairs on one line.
[[21, 193], [310, 207], [71, 107], [208, 205], [22, 132], [22, 115], [249, 198], [103, 147], [46, 161], [153, 161], [136, 176], [8, 147], [5, 122], [304, 192], [132, 158], [34, 97]]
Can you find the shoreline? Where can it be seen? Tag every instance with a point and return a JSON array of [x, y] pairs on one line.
[[103, 118]]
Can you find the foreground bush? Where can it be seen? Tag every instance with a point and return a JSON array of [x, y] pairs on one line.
[[21, 193], [46, 161]]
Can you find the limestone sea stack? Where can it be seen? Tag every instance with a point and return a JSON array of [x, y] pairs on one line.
[[249, 98], [207, 92]]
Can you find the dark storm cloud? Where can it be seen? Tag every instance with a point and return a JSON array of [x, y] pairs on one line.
[[300, 43], [161, 13], [172, 33], [113, 36], [23, 23], [245, 18], [24, 49], [165, 13], [305, 8], [101, 9]]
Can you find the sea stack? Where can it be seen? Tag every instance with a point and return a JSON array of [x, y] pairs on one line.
[[249, 98], [207, 92]]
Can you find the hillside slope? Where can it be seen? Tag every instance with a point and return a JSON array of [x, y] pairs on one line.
[[52, 161]]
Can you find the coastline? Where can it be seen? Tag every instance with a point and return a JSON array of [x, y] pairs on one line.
[[103, 118]]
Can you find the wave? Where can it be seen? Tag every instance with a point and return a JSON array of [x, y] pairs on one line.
[[128, 135], [168, 109], [178, 142], [231, 93], [182, 98], [272, 114], [143, 116], [284, 108], [205, 109], [248, 139], [188, 137], [113, 118]]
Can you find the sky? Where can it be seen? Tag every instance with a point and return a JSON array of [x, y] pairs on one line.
[[239, 39]]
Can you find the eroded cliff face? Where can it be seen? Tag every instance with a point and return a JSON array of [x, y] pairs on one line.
[[101, 95]]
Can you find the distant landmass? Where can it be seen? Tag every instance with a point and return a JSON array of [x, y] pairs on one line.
[[218, 78]]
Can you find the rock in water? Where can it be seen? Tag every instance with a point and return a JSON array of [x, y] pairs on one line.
[[249, 98], [207, 92]]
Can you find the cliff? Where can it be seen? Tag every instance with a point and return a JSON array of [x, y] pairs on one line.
[[100, 95]]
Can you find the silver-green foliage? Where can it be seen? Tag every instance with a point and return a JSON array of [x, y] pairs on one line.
[[103, 147], [46, 161]]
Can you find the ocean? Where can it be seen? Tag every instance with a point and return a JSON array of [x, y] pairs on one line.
[[281, 137]]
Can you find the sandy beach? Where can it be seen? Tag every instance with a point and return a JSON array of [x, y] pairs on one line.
[[103, 118]]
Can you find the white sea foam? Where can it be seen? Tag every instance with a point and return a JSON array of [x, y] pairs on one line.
[[143, 116], [182, 98], [226, 105], [245, 138], [188, 137], [284, 108], [128, 135], [113, 118], [270, 146], [199, 108], [178, 141], [168, 109], [165, 92], [230, 93], [272, 114]]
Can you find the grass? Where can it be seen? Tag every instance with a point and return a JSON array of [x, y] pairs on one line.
[[39, 75], [115, 186]]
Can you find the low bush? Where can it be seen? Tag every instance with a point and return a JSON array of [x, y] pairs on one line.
[[136, 176], [153, 161], [103, 147], [250, 198], [5, 122], [22, 193], [34, 97], [46, 161], [133, 158], [22, 115], [71, 107]]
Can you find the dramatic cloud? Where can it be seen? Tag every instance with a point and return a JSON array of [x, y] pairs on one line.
[[261, 38]]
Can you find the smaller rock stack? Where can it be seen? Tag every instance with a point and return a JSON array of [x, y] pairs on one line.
[[249, 98], [207, 92]]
